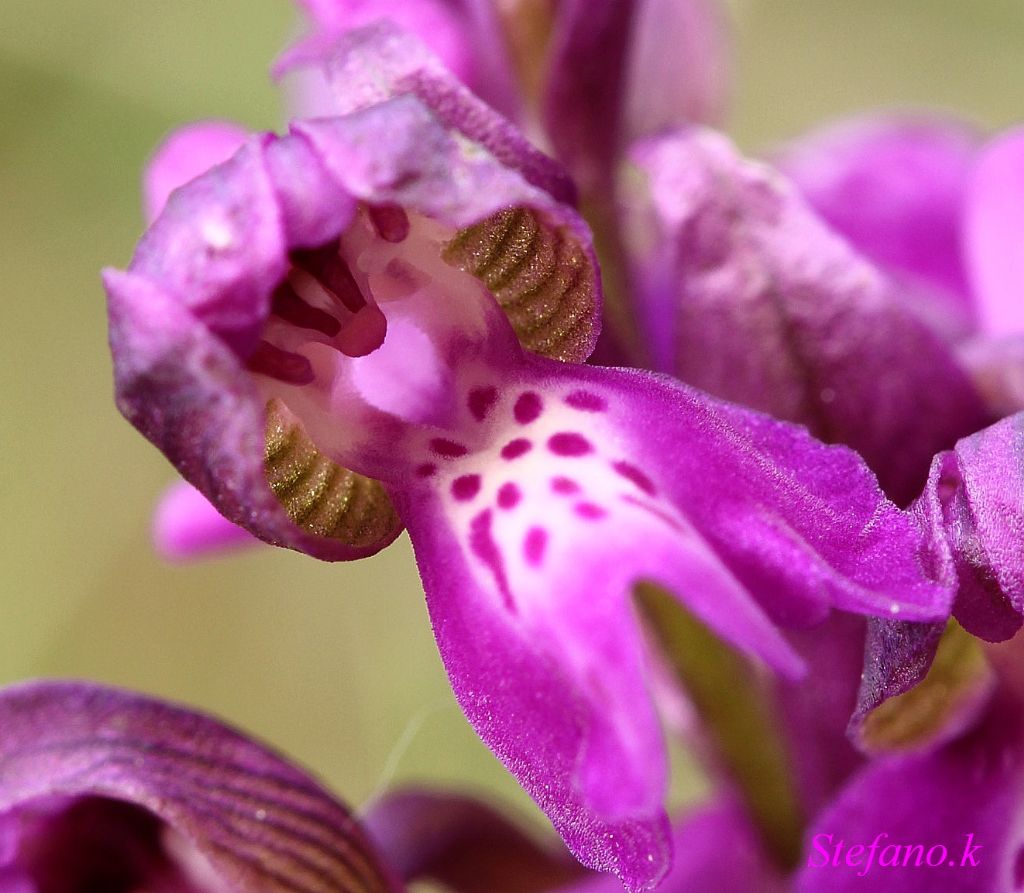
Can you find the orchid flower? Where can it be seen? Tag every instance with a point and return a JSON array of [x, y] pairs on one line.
[[376, 321]]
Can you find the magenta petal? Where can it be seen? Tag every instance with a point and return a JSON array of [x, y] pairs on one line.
[[464, 34], [184, 155], [716, 849], [746, 294], [186, 525], [104, 789], [895, 186], [583, 482], [463, 844], [620, 69], [188, 317], [994, 232], [187, 392], [967, 794], [380, 62], [980, 487], [815, 710], [219, 248]]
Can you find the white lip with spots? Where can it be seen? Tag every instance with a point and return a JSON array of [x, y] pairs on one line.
[[542, 487]]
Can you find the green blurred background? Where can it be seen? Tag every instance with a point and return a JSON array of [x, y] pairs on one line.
[[333, 663]]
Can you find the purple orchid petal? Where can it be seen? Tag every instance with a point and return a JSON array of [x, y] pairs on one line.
[[568, 487], [465, 35], [994, 230], [715, 849], [979, 486], [380, 62], [997, 369], [186, 154], [106, 790], [924, 813], [746, 294], [215, 276], [895, 186], [620, 69], [464, 845], [816, 709], [186, 525]]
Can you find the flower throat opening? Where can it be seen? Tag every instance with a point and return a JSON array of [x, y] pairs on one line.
[[321, 295]]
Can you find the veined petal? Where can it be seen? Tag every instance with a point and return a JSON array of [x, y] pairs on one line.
[[464, 844], [994, 230], [568, 487], [894, 185], [103, 787], [184, 155], [746, 294], [918, 817], [186, 525]]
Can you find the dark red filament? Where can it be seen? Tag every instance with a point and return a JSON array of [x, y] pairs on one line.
[[329, 268], [291, 308], [291, 368]]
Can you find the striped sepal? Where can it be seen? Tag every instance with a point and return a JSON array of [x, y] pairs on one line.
[[539, 274], [245, 820], [321, 497]]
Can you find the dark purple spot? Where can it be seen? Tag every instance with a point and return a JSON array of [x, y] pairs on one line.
[[1018, 869], [427, 469], [528, 407], [481, 401], [516, 448], [287, 305], [291, 368], [635, 475], [569, 443], [390, 221], [508, 496], [448, 449], [564, 486], [658, 513], [534, 545], [466, 487], [482, 544], [587, 401], [590, 511]]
